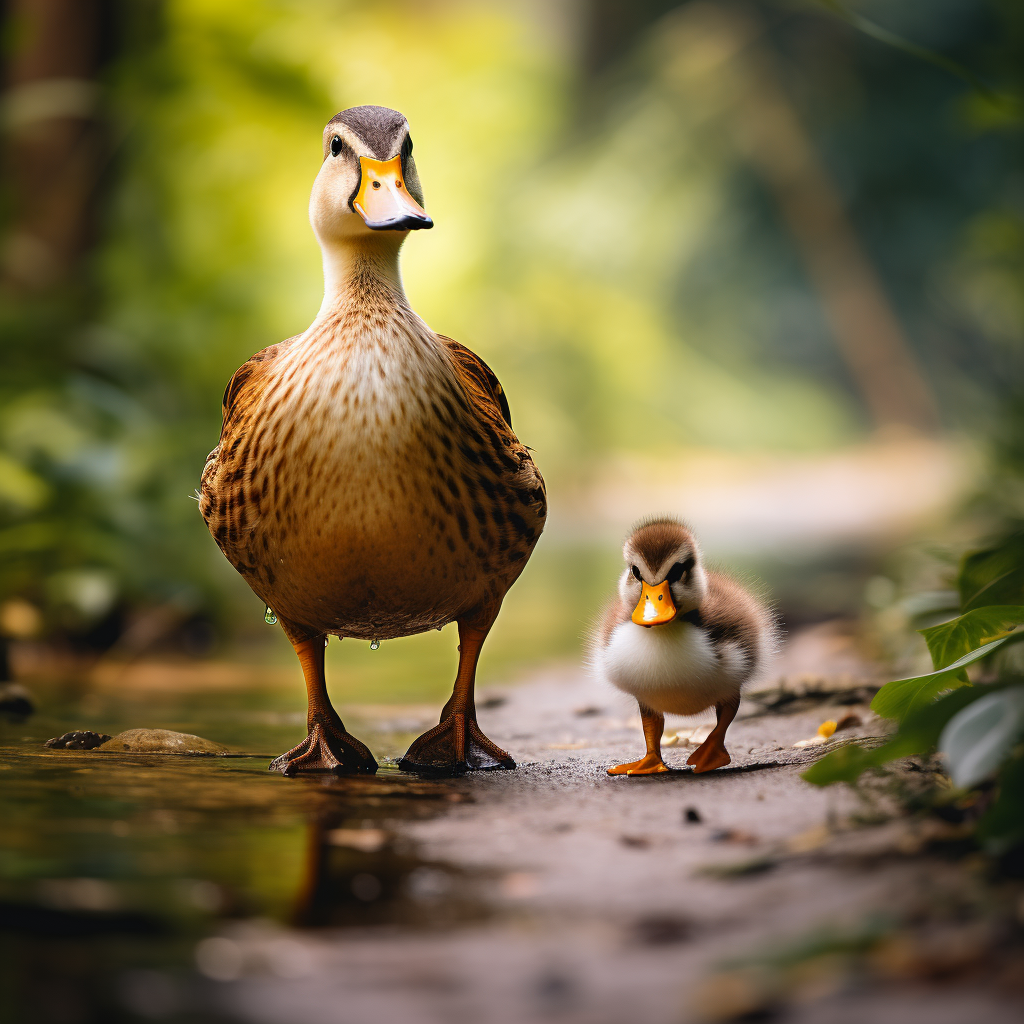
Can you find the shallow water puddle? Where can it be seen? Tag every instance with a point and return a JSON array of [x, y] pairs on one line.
[[184, 839], [112, 864]]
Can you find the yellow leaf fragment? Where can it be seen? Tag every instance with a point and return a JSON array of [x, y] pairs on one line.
[[827, 728]]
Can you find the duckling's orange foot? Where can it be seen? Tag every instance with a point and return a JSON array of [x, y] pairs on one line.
[[455, 746], [709, 756], [649, 764], [327, 748]]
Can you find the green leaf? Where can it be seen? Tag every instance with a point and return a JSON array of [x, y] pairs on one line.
[[1002, 827], [993, 576], [1006, 589], [940, 60], [902, 697], [847, 764], [952, 640], [919, 734], [978, 739]]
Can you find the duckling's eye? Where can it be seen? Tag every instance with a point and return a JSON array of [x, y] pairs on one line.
[[675, 574], [636, 572], [376, 184], [336, 145]]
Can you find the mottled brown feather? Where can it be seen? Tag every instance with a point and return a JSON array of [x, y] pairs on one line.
[[367, 480], [730, 612]]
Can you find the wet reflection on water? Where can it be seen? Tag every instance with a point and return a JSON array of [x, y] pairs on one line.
[[119, 872]]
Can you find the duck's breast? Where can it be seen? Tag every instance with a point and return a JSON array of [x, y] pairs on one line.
[[349, 492], [674, 668]]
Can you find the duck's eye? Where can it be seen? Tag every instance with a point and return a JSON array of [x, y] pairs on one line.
[[636, 572], [336, 145], [376, 184]]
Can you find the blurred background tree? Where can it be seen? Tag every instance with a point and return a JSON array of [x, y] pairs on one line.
[[668, 226]]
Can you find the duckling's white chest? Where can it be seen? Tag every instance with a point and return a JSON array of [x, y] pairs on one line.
[[674, 668]]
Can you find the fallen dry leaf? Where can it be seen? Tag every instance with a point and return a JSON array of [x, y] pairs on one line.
[[814, 741], [805, 842]]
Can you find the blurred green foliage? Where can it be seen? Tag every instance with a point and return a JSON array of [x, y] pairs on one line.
[[601, 240], [979, 728]]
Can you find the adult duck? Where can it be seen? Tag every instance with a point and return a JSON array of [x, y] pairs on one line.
[[367, 482]]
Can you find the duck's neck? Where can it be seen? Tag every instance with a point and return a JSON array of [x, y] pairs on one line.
[[361, 272]]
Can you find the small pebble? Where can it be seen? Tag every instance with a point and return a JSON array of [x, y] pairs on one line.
[[661, 930], [160, 741], [78, 739], [692, 816], [635, 842], [733, 835], [15, 700]]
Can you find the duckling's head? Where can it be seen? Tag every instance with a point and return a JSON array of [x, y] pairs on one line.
[[664, 573], [368, 180]]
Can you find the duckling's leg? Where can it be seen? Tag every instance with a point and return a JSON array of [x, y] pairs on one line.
[[712, 753], [457, 744], [328, 747], [651, 763]]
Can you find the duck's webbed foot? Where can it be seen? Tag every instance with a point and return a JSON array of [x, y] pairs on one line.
[[709, 755], [455, 746], [649, 764], [327, 748]]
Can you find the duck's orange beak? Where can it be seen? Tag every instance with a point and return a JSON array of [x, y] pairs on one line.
[[383, 200], [655, 606]]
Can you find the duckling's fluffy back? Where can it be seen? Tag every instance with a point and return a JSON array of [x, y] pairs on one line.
[[696, 661]]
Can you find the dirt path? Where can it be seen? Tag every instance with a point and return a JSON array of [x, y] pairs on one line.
[[592, 899]]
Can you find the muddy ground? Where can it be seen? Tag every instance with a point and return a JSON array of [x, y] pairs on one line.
[[552, 893], [601, 899]]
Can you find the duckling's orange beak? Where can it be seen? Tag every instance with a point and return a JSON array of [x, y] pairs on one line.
[[655, 606], [383, 200]]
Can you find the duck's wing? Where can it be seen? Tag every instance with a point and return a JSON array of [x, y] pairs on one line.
[[233, 407], [506, 481], [248, 373], [481, 376], [730, 613]]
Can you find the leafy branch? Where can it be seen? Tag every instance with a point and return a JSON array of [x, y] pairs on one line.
[[979, 728], [939, 60]]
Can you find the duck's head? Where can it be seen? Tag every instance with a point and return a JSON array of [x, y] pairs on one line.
[[664, 574], [368, 181]]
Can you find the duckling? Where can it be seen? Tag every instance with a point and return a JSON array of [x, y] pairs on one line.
[[368, 482], [681, 639]]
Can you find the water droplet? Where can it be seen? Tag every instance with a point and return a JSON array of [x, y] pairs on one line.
[[269, 617], [374, 645]]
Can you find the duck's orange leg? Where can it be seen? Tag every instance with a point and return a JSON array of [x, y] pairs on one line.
[[712, 753], [457, 744], [328, 747], [651, 763]]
